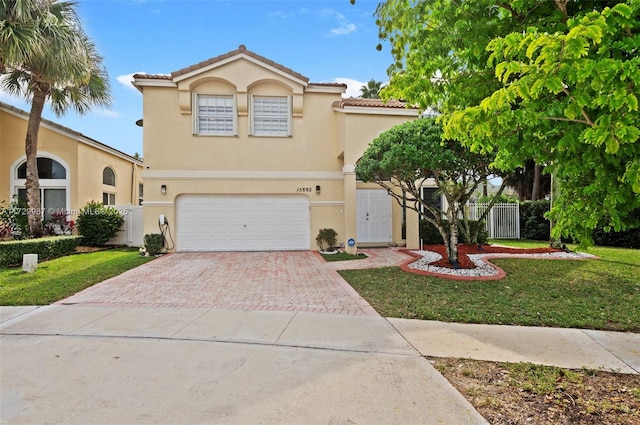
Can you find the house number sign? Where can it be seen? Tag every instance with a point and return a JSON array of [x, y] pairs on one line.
[[304, 189]]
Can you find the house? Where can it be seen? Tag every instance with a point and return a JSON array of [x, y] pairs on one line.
[[73, 168], [242, 153]]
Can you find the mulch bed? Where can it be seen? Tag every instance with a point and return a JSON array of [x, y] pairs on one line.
[[464, 250]]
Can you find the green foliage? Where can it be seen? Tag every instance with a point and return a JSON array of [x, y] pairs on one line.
[[570, 98], [401, 160], [629, 238], [98, 223], [326, 239], [11, 252], [13, 219], [533, 223], [154, 243], [532, 80]]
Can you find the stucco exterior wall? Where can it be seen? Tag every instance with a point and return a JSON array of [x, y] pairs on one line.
[[321, 152], [84, 161]]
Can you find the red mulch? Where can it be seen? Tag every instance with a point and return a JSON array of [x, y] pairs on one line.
[[463, 250]]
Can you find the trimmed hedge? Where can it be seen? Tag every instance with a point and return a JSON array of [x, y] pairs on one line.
[[11, 252], [533, 225], [431, 236], [625, 239]]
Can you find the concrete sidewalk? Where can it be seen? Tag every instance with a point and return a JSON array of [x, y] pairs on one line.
[[90, 364], [142, 365]]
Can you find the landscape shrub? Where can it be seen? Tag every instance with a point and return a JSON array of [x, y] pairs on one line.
[[533, 225], [98, 223], [13, 220], [153, 243], [326, 239], [11, 252], [625, 239]]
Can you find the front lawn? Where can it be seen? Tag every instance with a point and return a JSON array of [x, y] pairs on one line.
[[590, 294], [57, 279]]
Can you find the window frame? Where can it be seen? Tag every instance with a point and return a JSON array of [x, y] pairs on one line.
[[233, 115], [253, 117], [111, 196], [114, 176]]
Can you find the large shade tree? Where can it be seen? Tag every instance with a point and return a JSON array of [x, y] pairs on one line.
[[45, 56], [577, 92], [410, 156], [444, 56]]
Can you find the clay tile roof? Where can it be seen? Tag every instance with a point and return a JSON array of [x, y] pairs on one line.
[[329, 85], [240, 50], [153, 76], [369, 103]]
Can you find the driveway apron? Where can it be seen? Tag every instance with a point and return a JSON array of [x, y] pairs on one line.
[[278, 281]]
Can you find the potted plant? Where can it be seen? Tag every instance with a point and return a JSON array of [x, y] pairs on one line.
[[326, 240]]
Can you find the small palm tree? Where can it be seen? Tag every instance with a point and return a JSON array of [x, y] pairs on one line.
[[371, 90], [45, 55]]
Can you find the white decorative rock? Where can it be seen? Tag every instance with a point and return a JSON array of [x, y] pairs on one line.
[[29, 262]]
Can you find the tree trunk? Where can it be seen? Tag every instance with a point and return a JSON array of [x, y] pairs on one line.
[[537, 176], [34, 214], [452, 242]]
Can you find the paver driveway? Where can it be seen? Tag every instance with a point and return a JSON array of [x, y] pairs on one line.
[[285, 281]]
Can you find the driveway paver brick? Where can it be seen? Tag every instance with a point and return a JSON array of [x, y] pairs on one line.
[[282, 281]]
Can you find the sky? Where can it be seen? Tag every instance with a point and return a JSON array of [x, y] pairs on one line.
[[326, 41]]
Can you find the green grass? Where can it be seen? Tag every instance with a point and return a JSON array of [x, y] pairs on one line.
[[57, 279], [589, 294], [343, 256]]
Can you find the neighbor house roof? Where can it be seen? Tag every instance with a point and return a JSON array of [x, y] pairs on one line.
[[70, 133]]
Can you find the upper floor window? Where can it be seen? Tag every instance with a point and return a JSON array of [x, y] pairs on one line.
[[108, 176], [47, 169], [215, 115], [271, 116]]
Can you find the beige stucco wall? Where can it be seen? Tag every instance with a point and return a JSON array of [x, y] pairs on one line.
[[322, 151], [85, 163]]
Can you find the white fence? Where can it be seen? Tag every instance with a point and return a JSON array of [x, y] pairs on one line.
[[502, 222], [132, 233]]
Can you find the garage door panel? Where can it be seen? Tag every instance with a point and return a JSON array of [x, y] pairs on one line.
[[242, 223]]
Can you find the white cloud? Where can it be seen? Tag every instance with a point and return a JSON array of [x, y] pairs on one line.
[[107, 113], [127, 80], [344, 29], [353, 86], [344, 26]]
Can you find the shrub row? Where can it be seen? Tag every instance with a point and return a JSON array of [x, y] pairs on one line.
[[431, 236], [11, 252], [533, 225]]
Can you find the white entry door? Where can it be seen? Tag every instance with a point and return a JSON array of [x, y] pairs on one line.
[[374, 216], [242, 223]]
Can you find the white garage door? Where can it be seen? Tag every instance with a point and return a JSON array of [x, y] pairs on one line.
[[242, 223]]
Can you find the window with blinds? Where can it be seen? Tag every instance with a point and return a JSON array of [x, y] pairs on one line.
[[216, 115], [271, 116]]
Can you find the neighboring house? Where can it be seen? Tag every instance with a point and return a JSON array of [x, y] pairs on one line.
[[242, 153], [73, 168]]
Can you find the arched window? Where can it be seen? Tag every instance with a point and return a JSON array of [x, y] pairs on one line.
[[108, 176], [54, 183], [47, 169]]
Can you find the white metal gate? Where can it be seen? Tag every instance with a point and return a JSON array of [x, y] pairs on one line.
[[502, 222], [132, 230]]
